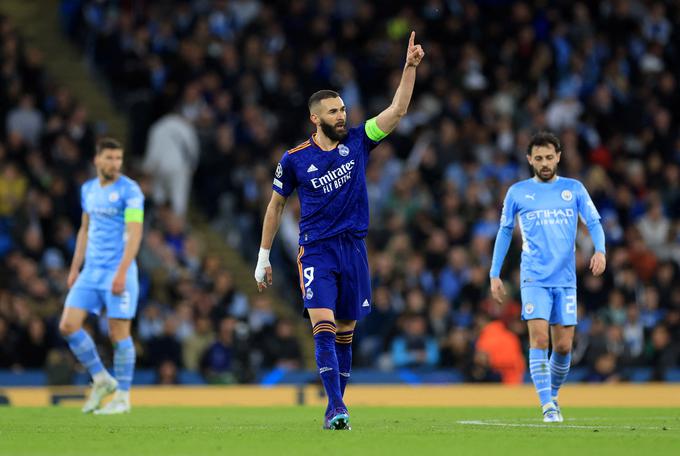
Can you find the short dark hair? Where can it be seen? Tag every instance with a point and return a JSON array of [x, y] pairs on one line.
[[321, 95], [544, 138], [108, 143]]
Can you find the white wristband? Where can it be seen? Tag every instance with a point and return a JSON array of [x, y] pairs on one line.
[[263, 255], [262, 264]]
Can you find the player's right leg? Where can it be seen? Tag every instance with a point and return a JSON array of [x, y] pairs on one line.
[[536, 309], [324, 329], [81, 344], [318, 268]]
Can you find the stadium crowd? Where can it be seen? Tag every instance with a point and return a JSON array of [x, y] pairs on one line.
[[236, 74]]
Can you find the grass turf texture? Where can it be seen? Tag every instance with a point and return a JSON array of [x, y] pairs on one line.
[[412, 431]]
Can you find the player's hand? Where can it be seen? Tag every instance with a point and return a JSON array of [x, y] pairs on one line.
[[414, 53], [263, 270], [118, 284], [497, 289], [72, 277], [598, 263]]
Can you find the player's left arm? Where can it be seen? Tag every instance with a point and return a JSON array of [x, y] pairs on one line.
[[380, 126], [591, 218], [134, 227]]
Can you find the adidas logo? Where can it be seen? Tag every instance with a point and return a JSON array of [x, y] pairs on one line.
[[365, 304], [312, 168], [325, 369]]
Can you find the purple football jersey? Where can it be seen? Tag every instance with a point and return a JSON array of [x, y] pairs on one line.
[[331, 185]]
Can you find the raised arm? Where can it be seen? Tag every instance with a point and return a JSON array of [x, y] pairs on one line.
[[389, 118], [272, 220]]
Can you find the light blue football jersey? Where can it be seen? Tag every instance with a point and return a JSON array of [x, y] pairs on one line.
[[548, 215], [106, 236]]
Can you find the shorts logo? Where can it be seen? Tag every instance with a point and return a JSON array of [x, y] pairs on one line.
[[279, 170], [113, 197], [529, 308], [343, 150], [125, 301], [566, 195], [310, 293]]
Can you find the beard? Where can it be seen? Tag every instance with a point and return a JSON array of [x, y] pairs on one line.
[[109, 176], [332, 131], [544, 173]]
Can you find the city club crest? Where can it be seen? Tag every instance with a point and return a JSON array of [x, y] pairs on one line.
[[113, 197], [566, 195]]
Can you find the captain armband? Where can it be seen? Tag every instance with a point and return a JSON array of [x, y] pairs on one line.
[[373, 131], [134, 215]]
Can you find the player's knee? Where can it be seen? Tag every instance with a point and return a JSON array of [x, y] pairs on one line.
[[118, 333], [66, 328], [562, 347], [540, 341]]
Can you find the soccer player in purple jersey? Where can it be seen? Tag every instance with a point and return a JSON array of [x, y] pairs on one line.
[[328, 171]]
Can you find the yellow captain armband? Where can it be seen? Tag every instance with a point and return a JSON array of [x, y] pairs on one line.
[[134, 215], [373, 131]]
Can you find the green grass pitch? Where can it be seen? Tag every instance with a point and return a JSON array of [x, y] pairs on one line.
[[168, 431]]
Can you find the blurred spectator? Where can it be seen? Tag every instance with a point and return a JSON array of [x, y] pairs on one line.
[[413, 347], [26, 121], [217, 363], [504, 351], [196, 344], [171, 157], [604, 370], [281, 349]]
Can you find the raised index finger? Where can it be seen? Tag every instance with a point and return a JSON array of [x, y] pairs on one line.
[[412, 39]]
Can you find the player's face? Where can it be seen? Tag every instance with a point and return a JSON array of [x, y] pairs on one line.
[[331, 116], [109, 162], [544, 160]]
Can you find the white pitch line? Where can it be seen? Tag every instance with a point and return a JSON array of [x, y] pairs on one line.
[[554, 426]]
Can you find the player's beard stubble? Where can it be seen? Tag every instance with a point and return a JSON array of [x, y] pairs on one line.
[[331, 131], [545, 173]]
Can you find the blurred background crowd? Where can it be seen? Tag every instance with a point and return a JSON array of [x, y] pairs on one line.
[[215, 92]]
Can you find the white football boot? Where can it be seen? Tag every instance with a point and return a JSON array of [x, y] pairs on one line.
[[100, 389], [119, 404]]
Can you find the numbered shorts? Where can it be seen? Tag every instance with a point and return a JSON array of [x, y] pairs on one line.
[[92, 292], [556, 305], [334, 275]]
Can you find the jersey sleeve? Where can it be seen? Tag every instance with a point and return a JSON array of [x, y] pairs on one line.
[[134, 204], [586, 207], [509, 211], [83, 198], [284, 176]]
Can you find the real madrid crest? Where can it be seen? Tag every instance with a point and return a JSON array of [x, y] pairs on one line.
[[343, 150], [566, 195]]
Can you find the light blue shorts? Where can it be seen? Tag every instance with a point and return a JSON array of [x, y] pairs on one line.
[[556, 305], [92, 292]]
